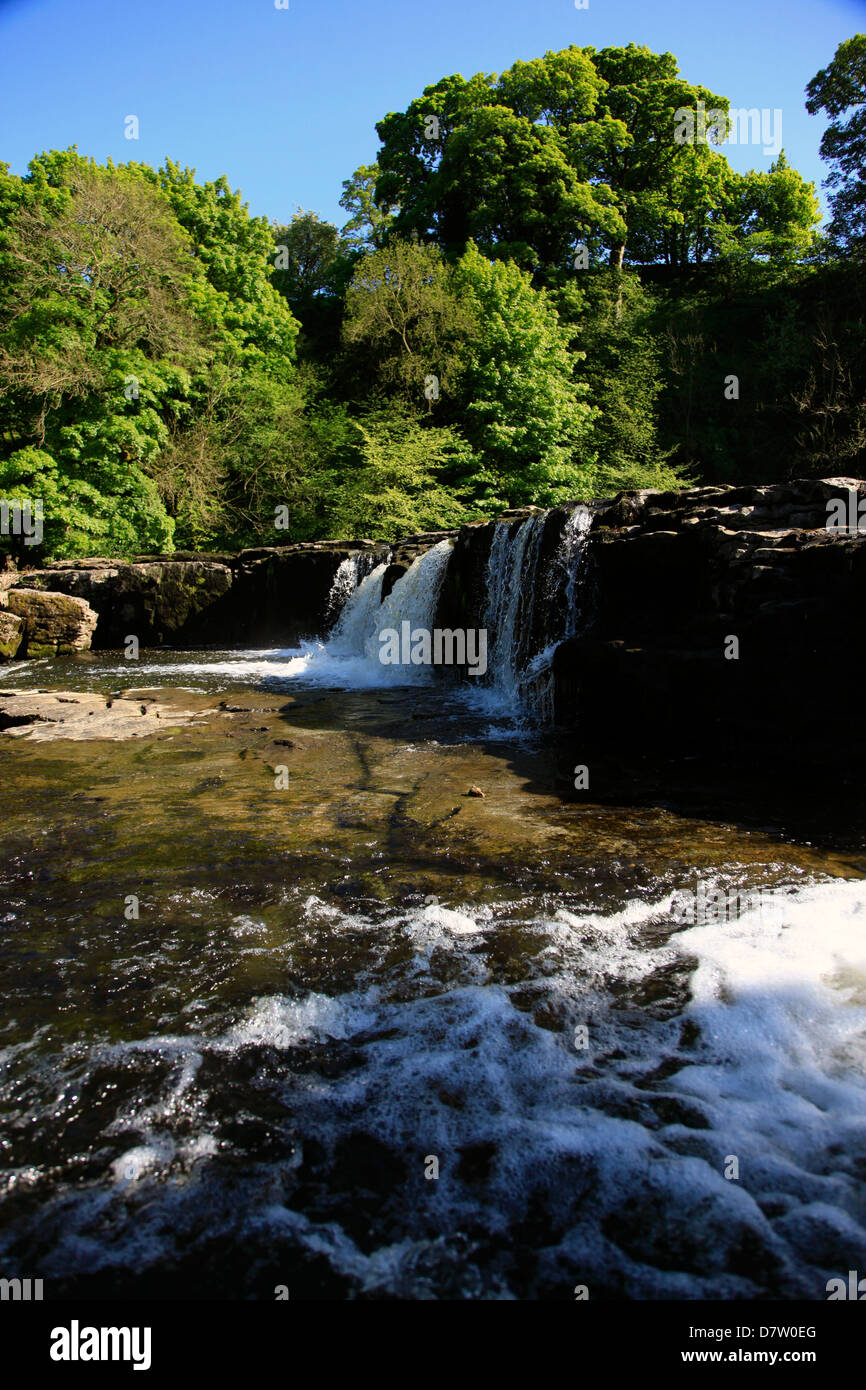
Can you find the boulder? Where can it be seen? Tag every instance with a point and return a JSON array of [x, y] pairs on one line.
[[11, 635], [54, 624]]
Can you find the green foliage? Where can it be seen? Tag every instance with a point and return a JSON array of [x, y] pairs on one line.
[[840, 91], [577, 147], [128, 300], [102, 513], [369, 223], [307, 255], [175, 371], [524, 413], [406, 317], [401, 477], [612, 319], [769, 217]]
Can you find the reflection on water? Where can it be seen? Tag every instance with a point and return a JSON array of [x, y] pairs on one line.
[[242, 1080]]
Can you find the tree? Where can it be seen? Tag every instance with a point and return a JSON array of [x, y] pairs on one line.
[[577, 147], [612, 320], [235, 297], [95, 335], [403, 478], [134, 307], [404, 314], [771, 216], [523, 412], [840, 91], [484, 160], [369, 224], [307, 253]]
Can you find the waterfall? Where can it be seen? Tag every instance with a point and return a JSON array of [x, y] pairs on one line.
[[573, 557], [365, 615], [350, 574], [522, 640], [510, 591], [358, 615]]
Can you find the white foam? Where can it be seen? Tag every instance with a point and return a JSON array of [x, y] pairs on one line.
[[743, 1039]]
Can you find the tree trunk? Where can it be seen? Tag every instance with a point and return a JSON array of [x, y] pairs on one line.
[[616, 258]]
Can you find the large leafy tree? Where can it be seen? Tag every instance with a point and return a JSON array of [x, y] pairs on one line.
[[840, 91], [770, 216], [612, 320], [306, 260], [576, 147], [95, 335], [485, 160], [406, 321], [133, 303]]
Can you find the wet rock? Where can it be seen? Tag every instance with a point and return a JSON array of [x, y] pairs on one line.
[[42, 715], [675, 575]]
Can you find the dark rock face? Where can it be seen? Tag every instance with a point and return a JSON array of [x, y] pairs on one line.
[[159, 601], [678, 576], [463, 596], [54, 624], [280, 594], [275, 594]]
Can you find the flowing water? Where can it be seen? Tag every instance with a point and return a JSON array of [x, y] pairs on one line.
[[353, 1031]]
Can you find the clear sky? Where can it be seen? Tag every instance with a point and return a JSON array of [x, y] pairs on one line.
[[284, 101]]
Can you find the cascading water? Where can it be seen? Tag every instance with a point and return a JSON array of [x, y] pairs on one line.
[[510, 589], [341, 972], [521, 644], [366, 615], [357, 616], [413, 599], [572, 557], [350, 574]]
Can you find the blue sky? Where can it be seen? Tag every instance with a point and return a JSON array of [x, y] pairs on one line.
[[284, 102]]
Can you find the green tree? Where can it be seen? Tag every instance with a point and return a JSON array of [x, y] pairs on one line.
[[95, 335], [134, 305], [770, 216], [406, 318], [403, 477], [613, 322], [578, 147], [523, 412], [307, 253], [485, 160], [840, 91], [369, 224]]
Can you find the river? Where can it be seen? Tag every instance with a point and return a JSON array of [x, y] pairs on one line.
[[286, 1006]]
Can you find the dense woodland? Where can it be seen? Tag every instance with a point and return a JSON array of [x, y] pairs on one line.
[[539, 294]]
